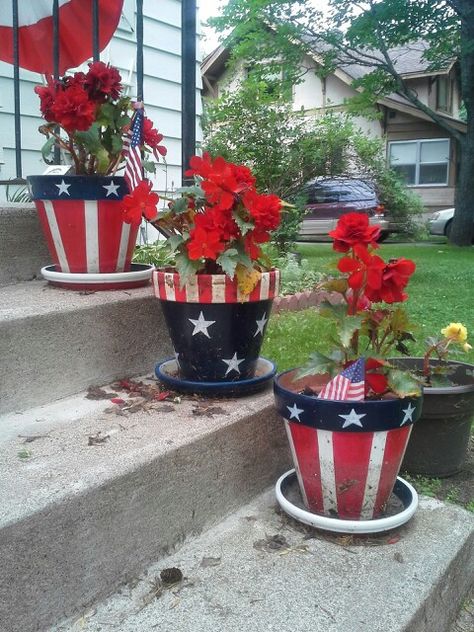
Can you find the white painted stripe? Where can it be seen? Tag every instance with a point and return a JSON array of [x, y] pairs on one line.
[[218, 288], [295, 461], [192, 291], [124, 237], [277, 282], [264, 286], [377, 452], [91, 216], [169, 286], [58, 242], [328, 475]]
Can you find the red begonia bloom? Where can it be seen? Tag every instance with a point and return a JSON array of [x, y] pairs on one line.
[[141, 202], [152, 137], [263, 209], [102, 82], [73, 110], [204, 244], [395, 277], [364, 271], [47, 95], [354, 229]]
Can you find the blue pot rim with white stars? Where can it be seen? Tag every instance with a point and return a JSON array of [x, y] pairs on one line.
[[345, 416], [59, 187]]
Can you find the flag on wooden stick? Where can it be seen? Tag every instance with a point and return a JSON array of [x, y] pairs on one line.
[[348, 385]]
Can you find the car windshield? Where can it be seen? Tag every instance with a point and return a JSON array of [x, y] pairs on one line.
[[328, 192]]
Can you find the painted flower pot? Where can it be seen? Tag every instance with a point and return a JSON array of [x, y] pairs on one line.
[[81, 217], [216, 331], [439, 442], [347, 454]]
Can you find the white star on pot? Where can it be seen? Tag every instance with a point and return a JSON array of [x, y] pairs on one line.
[[63, 188], [233, 363], [295, 412], [201, 325], [408, 413], [352, 418], [111, 188], [261, 325]]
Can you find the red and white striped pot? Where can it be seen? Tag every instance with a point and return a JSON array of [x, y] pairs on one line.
[[81, 217], [217, 332], [347, 454]]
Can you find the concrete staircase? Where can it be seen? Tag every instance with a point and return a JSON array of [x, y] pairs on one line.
[[93, 494]]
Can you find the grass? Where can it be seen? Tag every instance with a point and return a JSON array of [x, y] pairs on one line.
[[439, 293]]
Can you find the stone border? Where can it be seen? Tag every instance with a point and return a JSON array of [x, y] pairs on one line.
[[302, 300]]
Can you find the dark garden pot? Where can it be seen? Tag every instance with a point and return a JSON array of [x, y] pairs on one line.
[[347, 454], [81, 217], [216, 331], [439, 442]]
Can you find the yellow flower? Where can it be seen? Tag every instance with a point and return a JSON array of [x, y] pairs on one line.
[[456, 332], [466, 347]]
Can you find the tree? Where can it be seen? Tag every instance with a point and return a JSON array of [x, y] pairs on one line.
[[276, 34]]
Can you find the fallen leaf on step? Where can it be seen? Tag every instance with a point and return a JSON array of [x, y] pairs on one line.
[[97, 439], [271, 543], [31, 438], [205, 409], [24, 454], [171, 576], [95, 392], [208, 562]]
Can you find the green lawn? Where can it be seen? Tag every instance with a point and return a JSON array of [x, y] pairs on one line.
[[440, 292]]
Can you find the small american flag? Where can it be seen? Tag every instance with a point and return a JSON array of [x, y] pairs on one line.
[[133, 158], [348, 385]]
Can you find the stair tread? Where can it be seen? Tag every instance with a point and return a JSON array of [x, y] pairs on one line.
[[316, 582], [37, 298]]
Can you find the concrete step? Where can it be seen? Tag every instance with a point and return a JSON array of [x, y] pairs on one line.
[[236, 578], [23, 249], [91, 498], [54, 342]]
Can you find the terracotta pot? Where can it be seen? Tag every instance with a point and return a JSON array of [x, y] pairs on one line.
[[216, 332], [439, 442], [81, 217], [347, 454]]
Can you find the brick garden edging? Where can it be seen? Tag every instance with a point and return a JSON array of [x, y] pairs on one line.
[[303, 300]]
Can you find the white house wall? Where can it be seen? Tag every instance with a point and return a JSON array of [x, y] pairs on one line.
[[162, 90]]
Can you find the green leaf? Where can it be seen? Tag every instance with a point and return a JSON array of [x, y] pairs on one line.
[[180, 205], [347, 328], [116, 143], [403, 383], [174, 241], [337, 311], [186, 268], [244, 226], [90, 139], [228, 261], [195, 190], [317, 364], [47, 150], [103, 160], [149, 166]]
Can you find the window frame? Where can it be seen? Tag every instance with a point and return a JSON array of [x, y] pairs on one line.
[[418, 162]]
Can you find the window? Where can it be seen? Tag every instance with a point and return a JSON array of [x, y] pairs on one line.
[[443, 94], [421, 162]]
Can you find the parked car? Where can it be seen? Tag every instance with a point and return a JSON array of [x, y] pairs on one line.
[[329, 198], [440, 222]]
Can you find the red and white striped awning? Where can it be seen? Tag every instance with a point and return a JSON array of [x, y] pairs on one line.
[[35, 20]]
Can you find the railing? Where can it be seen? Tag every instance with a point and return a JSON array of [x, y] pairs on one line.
[[188, 75]]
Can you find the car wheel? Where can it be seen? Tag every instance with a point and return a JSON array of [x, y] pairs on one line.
[[383, 236], [447, 229]]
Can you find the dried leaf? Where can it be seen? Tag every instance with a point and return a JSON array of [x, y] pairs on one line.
[[271, 543], [208, 562], [97, 393], [171, 576], [98, 439], [247, 278]]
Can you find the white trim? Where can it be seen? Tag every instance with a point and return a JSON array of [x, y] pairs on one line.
[[56, 235]]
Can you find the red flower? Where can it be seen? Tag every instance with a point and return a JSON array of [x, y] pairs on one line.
[[204, 244], [152, 137], [103, 82], [374, 381], [352, 229], [141, 202], [73, 110], [47, 95], [263, 209], [364, 272], [395, 277]]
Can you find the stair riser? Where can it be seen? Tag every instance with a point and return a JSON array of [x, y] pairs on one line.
[[23, 249], [49, 356], [59, 561]]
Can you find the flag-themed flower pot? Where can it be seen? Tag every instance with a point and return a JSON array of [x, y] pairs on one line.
[[347, 454], [216, 331], [81, 217]]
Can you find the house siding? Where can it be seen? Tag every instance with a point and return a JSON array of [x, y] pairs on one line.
[[162, 90]]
